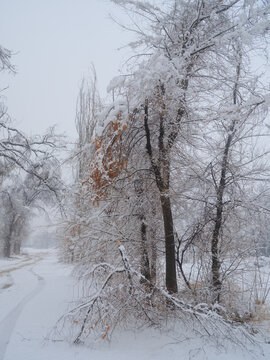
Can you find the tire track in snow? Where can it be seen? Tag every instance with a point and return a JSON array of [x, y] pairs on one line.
[[8, 323], [21, 264]]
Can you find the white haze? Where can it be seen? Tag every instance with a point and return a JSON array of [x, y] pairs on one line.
[[54, 43]]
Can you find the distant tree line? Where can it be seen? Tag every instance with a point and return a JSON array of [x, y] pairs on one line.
[[29, 174]]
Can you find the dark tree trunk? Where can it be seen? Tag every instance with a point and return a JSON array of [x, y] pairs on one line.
[[144, 248], [17, 247], [145, 263], [8, 240], [161, 170], [216, 280], [171, 280], [7, 247], [153, 267]]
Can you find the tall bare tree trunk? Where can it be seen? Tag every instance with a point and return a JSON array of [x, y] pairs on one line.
[[161, 170], [218, 224], [153, 244], [145, 263], [216, 279], [171, 280]]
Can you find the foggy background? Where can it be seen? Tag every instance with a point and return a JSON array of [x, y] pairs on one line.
[[54, 43]]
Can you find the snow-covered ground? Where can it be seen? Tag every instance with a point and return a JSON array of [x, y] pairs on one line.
[[35, 291]]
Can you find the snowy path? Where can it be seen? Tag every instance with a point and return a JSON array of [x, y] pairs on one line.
[[8, 323], [8, 267], [38, 295], [22, 280]]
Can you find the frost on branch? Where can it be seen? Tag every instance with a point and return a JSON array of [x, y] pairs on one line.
[[118, 299], [176, 171]]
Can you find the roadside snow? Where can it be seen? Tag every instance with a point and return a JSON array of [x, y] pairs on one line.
[[41, 292]]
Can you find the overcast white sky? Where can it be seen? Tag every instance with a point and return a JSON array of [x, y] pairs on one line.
[[55, 42]]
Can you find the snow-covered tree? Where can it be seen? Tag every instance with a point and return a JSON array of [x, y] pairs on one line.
[[171, 162]]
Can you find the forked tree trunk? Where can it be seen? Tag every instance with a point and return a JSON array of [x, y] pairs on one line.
[[161, 169]]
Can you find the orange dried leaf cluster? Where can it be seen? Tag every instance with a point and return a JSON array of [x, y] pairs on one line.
[[110, 160]]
